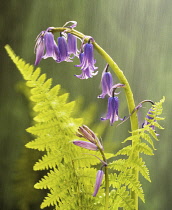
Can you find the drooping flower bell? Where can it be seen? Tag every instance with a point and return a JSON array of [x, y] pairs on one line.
[[45, 41], [87, 72], [72, 45], [39, 47], [113, 104], [87, 62], [99, 178], [106, 82], [63, 49], [112, 110], [51, 46]]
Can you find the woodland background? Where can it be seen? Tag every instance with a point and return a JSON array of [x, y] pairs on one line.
[[137, 34]]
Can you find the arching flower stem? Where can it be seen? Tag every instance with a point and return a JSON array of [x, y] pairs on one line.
[[128, 93]]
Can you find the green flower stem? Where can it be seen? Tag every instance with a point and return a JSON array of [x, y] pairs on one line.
[[128, 93], [116, 69]]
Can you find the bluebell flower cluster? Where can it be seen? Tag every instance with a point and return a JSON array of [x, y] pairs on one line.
[[47, 47], [65, 49]]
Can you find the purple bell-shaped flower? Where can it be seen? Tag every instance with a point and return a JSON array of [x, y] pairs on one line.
[[86, 72], [39, 47], [63, 49], [87, 62], [45, 41], [106, 82], [72, 45], [112, 110], [51, 46]]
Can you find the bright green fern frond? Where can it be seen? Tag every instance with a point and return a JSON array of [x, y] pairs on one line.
[[47, 162], [128, 179], [70, 180], [124, 151], [119, 165], [121, 199], [139, 164], [146, 137], [144, 148], [71, 174]]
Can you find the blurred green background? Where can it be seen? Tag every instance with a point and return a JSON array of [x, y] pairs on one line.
[[136, 33]]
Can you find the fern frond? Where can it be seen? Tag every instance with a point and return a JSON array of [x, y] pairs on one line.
[[140, 165], [146, 137], [141, 148], [131, 182], [124, 151], [119, 165], [144, 148], [70, 178], [121, 199], [69, 181], [47, 162]]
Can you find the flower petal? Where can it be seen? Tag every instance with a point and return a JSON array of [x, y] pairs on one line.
[[112, 110], [85, 144], [72, 44], [50, 45], [99, 178], [106, 82]]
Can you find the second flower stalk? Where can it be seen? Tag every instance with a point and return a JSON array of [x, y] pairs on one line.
[[93, 143]]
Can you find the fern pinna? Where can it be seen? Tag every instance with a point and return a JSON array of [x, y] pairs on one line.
[[72, 172]]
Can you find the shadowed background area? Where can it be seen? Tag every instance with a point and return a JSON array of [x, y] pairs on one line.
[[137, 35]]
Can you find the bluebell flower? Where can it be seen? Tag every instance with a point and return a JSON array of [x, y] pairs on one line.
[[106, 83], [99, 178], [45, 41], [51, 46], [87, 62], [39, 47], [87, 72], [112, 110], [63, 49], [87, 133], [72, 45]]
